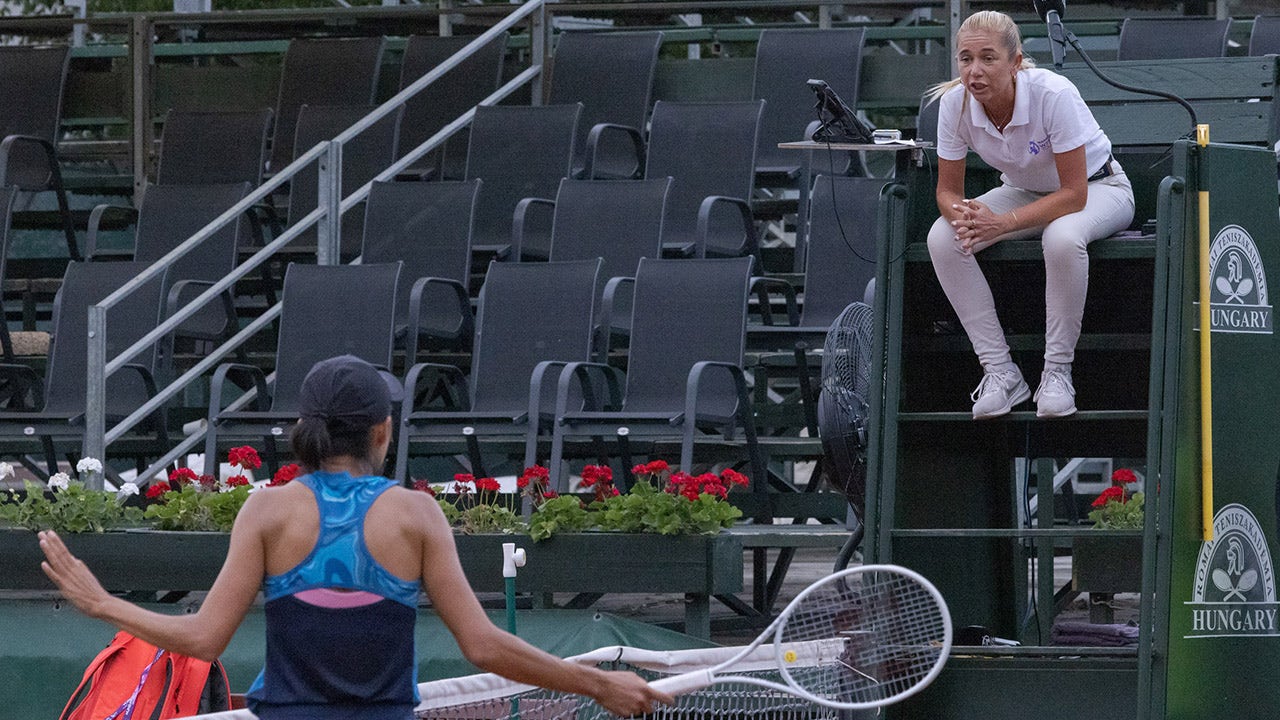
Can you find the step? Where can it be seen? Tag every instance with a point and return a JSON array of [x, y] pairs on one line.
[[1119, 342], [1112, 248], [1026, 416]]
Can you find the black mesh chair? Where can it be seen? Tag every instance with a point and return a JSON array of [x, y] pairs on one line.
[[618, 221], [1167, 38], [322, 71], [363, 157], [708, 149], [61, 404], [213, 148], [1265, 37], [441, 102], [167, 217], [532, 318], [32, 80], [611, 74], [785, 60], [518, 152], [328, 310], [684, 371], [6, 208], [427, 227]]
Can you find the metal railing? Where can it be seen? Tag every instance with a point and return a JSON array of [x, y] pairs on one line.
[[328, 218]]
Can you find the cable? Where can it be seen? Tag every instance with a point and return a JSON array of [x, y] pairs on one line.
[[835, 210]]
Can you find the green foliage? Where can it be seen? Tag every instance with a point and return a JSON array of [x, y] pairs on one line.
[[647, 509], [559, 514], [489, 519], [75, 509], [193, 510], [644, 509], [1118, 515]]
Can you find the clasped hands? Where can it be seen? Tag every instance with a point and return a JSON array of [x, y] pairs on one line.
[[976, 225]]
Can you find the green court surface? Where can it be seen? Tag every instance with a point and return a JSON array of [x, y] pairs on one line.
[[45, 647]]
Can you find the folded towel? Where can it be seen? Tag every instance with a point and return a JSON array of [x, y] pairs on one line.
[[1099, 635]]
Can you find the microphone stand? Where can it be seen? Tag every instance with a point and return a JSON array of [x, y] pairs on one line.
[[1075, 43]]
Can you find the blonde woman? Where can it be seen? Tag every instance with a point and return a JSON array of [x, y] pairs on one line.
[[1059, 181]]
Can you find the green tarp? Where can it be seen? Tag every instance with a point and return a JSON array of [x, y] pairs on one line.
[[44, 648]]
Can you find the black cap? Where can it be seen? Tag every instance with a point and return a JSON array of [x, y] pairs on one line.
[[350, 390]]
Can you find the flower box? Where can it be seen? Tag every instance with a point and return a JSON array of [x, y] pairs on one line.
[[698, 566], [1108, 563]]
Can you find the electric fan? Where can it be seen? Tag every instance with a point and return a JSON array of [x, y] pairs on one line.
[[844, 407]]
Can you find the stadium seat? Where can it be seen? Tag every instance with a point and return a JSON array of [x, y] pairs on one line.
[[1177, 37], [363, 157], [327, 310], [708, 149], [444, 100], [518, 152], [1265, 37], [611, 74], [618, 221], [6, 208], [213, 148], [531, 319], [427, 227], [167, 217], [684, 370], [785, 60], [61, 398], [32, 80], [322, 71]]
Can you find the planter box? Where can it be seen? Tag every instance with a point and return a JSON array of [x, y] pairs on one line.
[[142, 560], [698, 566], [1107, 564]]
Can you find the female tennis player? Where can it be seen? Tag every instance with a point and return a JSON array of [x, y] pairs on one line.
[[1059, 181], [340, 555]]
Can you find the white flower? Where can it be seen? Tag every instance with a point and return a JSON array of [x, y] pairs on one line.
[[6, 470], [59, 481], [89, 464], [126, 490]]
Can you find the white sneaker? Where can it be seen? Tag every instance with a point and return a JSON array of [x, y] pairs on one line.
[[998, 393], [1056, 397]]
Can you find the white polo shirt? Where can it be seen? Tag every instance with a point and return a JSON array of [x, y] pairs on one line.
[[1049, 116]]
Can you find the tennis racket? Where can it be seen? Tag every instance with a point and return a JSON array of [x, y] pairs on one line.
[[860, 638]]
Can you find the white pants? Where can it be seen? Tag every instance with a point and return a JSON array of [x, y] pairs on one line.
[[1108, 210]]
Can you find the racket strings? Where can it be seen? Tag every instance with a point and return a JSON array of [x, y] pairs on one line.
[[889, 631]]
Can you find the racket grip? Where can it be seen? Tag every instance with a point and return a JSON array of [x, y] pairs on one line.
[[684, 683]]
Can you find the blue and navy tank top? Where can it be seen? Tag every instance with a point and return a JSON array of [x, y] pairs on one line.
[[339, 626]]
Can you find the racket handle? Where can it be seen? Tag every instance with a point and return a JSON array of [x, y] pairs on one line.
[[684, 683]]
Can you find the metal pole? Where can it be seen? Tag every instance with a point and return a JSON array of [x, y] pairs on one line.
[[142, 132], [539, 45], [446, 19], [329, 233], [95, 411]]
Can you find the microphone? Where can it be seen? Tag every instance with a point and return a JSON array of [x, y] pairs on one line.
[[1051, 12]]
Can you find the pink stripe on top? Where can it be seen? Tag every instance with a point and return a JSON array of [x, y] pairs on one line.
[[337, 599]]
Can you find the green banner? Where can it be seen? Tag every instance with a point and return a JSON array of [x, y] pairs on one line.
[[1223, 617]]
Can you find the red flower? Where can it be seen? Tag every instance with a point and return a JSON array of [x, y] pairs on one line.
[[463, 478], [207, 482], [733, 477], [657, 467], [245, 457], [237, 481], [550, 494], [1124, 476], [183, 476], [158, 489], [424, 486], [285, 474], [592, 474], [641, 469], [1112, 493], [488, 484]]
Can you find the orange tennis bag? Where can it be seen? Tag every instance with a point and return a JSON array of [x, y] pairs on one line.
[[134, 680]]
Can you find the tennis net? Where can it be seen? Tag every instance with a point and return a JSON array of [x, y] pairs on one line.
[[491, 697]]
